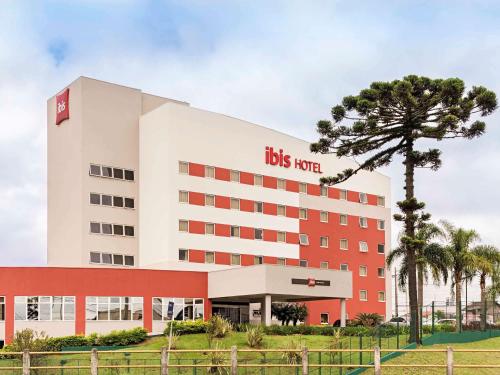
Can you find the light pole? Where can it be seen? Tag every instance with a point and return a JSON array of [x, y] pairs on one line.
[[396, 291]]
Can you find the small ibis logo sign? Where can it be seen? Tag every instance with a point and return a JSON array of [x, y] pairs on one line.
[[62, 106]]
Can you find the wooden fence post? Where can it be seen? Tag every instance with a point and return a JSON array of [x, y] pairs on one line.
[[26, 362], [234, 360], [94, 362], [164, 361], [305, 361], [376, 360], [449, 360]]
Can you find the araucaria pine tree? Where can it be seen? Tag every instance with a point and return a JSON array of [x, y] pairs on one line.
[[388, 119]]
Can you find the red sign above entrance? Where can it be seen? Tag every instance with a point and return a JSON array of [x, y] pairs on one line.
[[283, 160], [62, 106]]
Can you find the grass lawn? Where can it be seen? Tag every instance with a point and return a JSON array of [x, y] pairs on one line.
[[459, 358]]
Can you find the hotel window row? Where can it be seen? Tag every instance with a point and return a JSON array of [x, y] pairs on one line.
[[111, 172], [111, 259], [111, 200], [363, 296], [113, 308], [258, 180], [112, 229], [46, 308], [184, 308], [234, 204]]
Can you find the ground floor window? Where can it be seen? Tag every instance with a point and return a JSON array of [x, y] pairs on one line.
[[2, 308], [113, 308], [184, 308], [324, 318], [44, 308]]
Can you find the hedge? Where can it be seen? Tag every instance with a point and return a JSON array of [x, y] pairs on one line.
[[187, 327], [114, 338]]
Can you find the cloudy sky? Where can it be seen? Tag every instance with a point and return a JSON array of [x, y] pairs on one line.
[[282, 64]]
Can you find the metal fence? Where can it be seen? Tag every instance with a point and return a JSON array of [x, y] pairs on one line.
[[230, 361]]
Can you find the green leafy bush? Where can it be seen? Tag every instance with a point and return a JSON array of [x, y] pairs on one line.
[[187, 327], [255, 336], [218, 327], [27, 339]]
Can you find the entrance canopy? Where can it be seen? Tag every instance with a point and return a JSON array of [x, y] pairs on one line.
[[284, 284]]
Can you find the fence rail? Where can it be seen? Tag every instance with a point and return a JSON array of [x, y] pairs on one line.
[[231, 363]]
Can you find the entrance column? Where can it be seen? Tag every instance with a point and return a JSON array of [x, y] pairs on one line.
[[342, 312], [265, 310]]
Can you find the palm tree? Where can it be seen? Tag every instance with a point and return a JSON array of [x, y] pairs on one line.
[[431, 258], [459, 243], [487, 265]]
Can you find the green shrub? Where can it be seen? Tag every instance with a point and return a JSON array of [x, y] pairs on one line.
[[255, 336], [187, 327], [122, 338], [291, 352], [218, 327], [27, 339], [369, 319]]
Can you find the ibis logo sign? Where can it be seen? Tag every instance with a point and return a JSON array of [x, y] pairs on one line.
[[62, 106], [278, 157]]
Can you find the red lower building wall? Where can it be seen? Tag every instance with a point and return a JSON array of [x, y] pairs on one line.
[[82, 282]]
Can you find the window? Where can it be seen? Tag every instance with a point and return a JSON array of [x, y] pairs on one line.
[[129, 203], [106, 200], [129, 175], [235, 204], [47, 308], [95, 257], [117, 201], [234, 176], [108, 229], [2, 309], [258, 207], [184, 308], [209, 200], [183, 255], [95, 170], [235, 231], [343, 195], [323, 241], [209, 257], [183, 225], [381, 272], [363, 198], [95, 198], [363, 295], [129, 231], [323, 191], [281, 237], [323, 216], [302, 263], [303, 213], [118, 259], [129, 260], [324, 318], [281, 261], [381, 248], [258, 259], [183, 196], [363, 222], [209, 228], [343, 219], [281, 210], [281, 184], [363, 246], [113, 308], [209, 172], [363, 271], [258, 234], [258, 180], [323, 265], [183, 167], [381, 201], [303, 239], [118, 173], [344, 267], [107, 258], [302, 188], [344, 244], [106, 171], [381, 296], [235, 259], [381, 224], [95, 227]]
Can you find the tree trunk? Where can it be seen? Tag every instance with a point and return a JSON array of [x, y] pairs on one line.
[[484, 310], [420, 281], [410, 247], [458, 301]]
